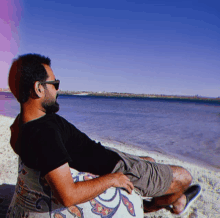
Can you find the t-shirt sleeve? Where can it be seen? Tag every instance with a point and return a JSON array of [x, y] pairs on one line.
[[50, 150], [88, 155]]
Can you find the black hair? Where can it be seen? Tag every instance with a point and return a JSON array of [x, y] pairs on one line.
[[24, 72]]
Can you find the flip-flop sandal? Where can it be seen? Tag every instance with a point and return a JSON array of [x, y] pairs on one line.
[[192, 193]]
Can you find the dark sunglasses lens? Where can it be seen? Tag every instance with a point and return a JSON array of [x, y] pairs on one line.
[[56, 86]]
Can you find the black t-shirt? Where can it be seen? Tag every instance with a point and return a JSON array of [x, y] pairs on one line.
[[50, 141]]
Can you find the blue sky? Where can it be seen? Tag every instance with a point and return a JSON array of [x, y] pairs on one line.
[[152, 47]]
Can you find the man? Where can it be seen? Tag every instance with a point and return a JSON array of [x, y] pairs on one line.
[[50, 144]]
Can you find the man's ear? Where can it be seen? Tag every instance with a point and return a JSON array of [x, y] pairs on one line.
[[39, 89]]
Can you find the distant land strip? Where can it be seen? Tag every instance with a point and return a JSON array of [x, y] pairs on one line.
[[132, 95]]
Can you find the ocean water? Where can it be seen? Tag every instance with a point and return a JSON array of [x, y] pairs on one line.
[[186, 129]]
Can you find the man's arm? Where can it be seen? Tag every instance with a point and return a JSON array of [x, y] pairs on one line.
[[70, 193]]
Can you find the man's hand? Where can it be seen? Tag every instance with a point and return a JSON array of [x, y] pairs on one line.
[[122, 181]]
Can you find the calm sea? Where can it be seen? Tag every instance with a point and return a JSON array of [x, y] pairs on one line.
[[186, 129]]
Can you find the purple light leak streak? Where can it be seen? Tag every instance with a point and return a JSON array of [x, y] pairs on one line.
[[10, 16]]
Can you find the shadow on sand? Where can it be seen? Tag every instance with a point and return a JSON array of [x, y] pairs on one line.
[[6, 194]]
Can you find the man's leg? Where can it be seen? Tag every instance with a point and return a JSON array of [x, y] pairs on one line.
[[181, 179], [174, 195]]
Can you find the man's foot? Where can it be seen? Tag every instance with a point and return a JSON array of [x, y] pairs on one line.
[[190, 195]]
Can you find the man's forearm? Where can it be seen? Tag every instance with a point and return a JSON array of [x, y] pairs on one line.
[[70, 193], [86, 190]]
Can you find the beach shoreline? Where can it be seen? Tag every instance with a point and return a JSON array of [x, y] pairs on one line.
[[207, 204]]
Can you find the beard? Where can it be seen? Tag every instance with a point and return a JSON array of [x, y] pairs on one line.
[[51, 106]]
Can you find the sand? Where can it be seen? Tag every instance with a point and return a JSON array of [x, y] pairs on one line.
[[206, 206]]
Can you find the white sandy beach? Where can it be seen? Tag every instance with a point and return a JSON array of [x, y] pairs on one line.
[[207, 205]]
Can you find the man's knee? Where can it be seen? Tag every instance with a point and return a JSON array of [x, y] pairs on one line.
[[148, 159], [181, 180], [182, 175]]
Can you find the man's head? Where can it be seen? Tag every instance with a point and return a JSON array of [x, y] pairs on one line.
[[30, 76]]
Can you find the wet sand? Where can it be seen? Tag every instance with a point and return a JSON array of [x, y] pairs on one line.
[[207, 205]]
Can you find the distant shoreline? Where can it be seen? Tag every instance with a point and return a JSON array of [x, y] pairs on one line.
[[132, 95]]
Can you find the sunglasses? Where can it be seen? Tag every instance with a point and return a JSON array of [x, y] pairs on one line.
[[56, 83]]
